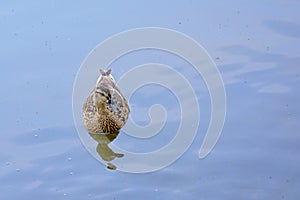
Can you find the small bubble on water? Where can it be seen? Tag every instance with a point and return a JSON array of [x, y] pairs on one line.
[[69, 159], [71, 173], [7, 163], [18, 170], [36, 135]]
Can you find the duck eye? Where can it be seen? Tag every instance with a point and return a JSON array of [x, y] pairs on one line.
[[100, 93]]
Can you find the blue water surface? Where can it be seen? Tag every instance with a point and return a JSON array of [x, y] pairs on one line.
[[256, 46]]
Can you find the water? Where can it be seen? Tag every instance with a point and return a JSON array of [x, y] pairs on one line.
[[256, 48]]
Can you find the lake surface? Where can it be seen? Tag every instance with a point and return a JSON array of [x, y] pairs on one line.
[[256, 47]]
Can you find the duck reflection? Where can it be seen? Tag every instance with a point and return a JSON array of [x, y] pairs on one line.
[[104, 151]]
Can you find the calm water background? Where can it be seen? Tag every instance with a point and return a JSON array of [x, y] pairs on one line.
[[256, 46]]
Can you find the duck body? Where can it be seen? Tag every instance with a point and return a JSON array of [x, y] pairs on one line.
[[105, 110]]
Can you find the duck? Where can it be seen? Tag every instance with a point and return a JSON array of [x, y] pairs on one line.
[[105, 110]]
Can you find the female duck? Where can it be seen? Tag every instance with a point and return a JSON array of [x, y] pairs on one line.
[[105, 110]]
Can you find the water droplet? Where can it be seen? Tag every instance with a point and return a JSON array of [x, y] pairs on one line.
[[18, 170], [69, 159], [36, 135], [71, 173]]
